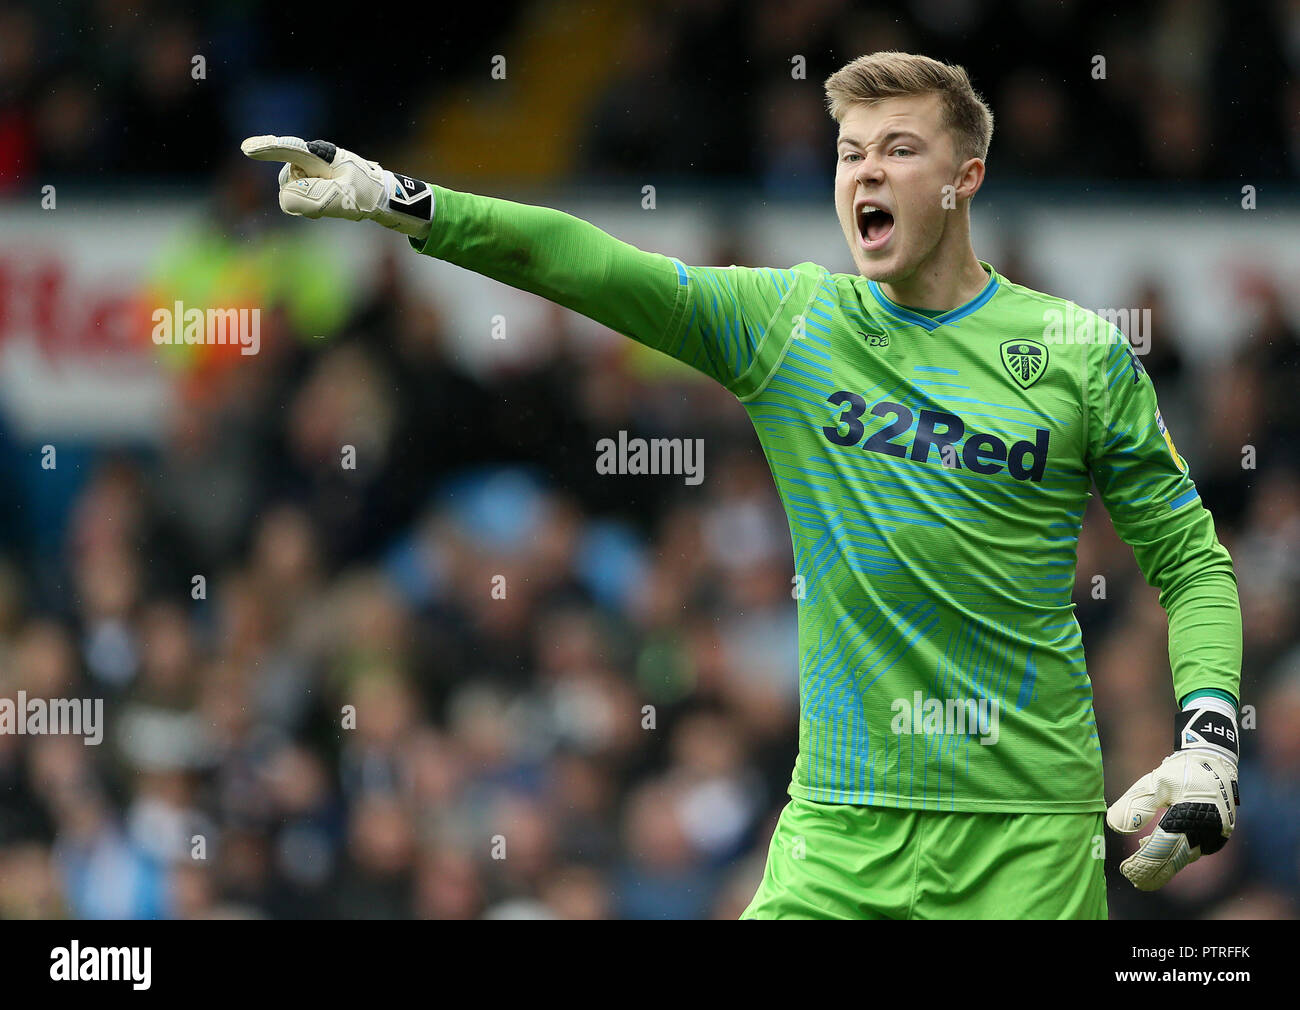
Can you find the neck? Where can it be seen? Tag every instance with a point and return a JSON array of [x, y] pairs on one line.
[[941, 283]]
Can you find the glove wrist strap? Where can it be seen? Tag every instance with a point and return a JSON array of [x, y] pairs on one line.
[[1207, 724], [408, 205]]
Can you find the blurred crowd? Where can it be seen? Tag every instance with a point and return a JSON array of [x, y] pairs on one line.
[[106, 90], [469, 677], [472, 677]]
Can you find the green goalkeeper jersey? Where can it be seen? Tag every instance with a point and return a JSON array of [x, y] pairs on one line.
[[935, 471]]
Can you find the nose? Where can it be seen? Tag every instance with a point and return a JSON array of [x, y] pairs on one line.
[[870, 169]]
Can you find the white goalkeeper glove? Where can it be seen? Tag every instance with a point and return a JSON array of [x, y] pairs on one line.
[[1198, 785], [320, 179]]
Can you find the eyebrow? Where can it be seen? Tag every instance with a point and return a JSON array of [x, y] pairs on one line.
[[892, 135]]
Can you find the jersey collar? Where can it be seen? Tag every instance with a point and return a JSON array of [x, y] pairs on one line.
[[902, 312]]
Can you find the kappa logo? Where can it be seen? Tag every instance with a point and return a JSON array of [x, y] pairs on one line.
[[1025, 360], [874, 339]]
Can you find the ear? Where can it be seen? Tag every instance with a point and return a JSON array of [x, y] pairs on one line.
[[969, 178]]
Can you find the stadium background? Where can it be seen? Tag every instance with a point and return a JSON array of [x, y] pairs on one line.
[[521, 718]]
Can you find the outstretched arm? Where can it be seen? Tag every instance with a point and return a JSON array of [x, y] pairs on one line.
[[715, 319]]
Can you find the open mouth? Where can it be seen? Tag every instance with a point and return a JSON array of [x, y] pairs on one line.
[[875, 226]]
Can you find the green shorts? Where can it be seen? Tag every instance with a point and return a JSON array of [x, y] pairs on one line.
[[833, 861]]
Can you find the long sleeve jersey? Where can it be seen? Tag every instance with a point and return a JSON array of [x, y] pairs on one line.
[[934, 470]]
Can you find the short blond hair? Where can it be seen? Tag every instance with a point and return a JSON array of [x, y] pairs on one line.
[[878, 76]]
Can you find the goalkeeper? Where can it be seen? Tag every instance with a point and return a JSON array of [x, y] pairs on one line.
[[934, 438]]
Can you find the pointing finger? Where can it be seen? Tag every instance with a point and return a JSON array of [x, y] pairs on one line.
[[293, 150]]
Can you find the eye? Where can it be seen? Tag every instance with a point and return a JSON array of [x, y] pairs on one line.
[[904, 151], [849, 154]]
